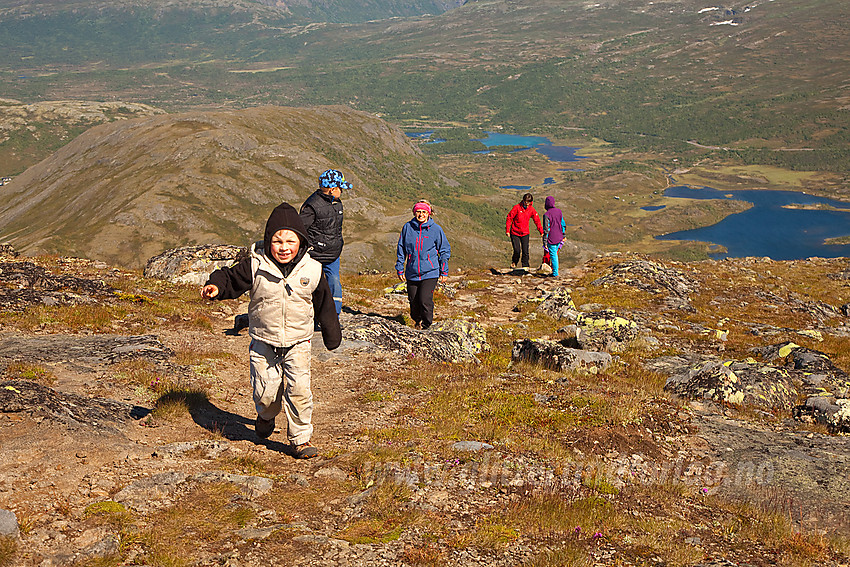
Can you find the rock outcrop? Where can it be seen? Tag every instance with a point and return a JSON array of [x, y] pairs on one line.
[[24, 396], [447, 341], [653, 278], [26, 284], [193, 264]]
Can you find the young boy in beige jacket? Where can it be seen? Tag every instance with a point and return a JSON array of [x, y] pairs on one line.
[[287, 288]]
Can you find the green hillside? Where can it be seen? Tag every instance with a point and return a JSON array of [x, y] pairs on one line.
[[125, 191]]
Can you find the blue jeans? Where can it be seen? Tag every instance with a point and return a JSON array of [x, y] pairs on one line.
[[553, 257], [331, 271]]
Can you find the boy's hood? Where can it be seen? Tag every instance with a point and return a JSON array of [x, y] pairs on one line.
[[284, 216], [550, 202]]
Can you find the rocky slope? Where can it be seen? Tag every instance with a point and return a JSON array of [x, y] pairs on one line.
[[125, 191], [127, 425]]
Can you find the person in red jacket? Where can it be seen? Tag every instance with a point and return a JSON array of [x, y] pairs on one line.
[[517, 228]]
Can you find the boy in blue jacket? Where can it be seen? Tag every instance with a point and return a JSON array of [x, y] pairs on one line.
[[423, 259]]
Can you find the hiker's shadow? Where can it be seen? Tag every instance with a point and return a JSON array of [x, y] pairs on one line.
[[231, 426], [396, 318], [240, 322]]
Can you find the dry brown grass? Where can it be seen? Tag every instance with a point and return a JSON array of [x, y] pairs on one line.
[[206, 516], [177, 402], [27, 371], [385, 515], [65, 318], [8, 551]]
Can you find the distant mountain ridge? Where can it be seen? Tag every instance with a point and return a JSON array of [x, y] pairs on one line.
[[300, 11], [763, 79]]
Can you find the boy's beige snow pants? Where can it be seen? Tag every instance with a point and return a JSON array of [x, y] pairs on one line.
[[280, 378]]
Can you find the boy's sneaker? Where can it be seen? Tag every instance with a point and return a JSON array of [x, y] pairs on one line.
[[263, 427], [304, 451]]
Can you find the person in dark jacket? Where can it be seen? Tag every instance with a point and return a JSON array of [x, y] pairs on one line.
[[516, 227], [423, 260], [287, 288], [554, 226], [322, 217]]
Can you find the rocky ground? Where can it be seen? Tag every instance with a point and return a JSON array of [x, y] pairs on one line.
[[100, 465]]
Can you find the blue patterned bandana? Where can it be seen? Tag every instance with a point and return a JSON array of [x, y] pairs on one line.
[[333, 178]]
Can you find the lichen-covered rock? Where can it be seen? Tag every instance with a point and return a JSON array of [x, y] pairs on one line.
[[817, 409], [473, 337], [193, 264], [740, 383], [653, 278], [444, 342], [557, 356], [558, 304], [840, 420], [814, 369], [599, 329], [8, 251]]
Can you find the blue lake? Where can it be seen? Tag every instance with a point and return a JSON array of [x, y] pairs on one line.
[[542, 144], [425, 136], [769, 229]]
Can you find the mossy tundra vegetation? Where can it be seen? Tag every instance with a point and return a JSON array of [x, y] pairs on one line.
[[184, 482]]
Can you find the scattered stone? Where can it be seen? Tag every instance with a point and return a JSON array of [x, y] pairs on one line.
[[252, 486], [145, 493], [258, 534], [331, 473], [555, 356], [472, 446], [150, 492], [205, 448], [9, 524]]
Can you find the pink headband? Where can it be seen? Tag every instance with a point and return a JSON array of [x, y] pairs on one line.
[[422, 207]]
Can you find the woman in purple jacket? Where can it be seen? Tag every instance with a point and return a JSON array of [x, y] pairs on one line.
[[553, 231], [423, 259]]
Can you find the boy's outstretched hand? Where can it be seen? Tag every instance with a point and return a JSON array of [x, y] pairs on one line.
[[209, 291]]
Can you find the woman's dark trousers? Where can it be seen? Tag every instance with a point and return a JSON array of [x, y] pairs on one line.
[[421, 297], [520, 244]]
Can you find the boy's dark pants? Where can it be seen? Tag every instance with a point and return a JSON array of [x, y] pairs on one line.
[[520, 244], [421, 297]]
